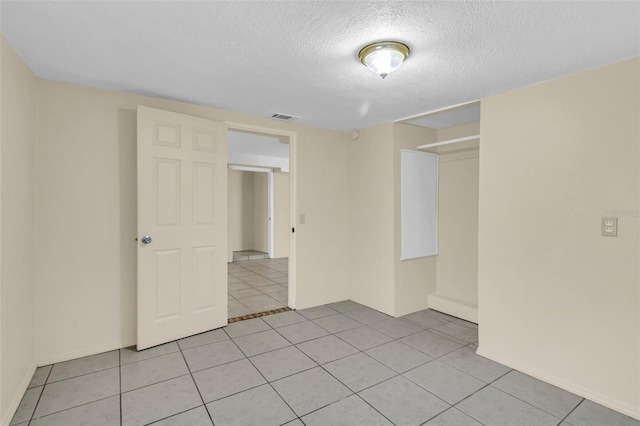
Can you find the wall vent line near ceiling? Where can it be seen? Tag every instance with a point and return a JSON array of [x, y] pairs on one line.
[[285, 117]]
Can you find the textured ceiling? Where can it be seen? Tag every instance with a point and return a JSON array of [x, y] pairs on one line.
[[299, 57]]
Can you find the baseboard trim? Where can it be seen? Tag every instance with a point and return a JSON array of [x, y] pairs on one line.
[[47, 360], [563, 384], [457, 308], [17, 398]]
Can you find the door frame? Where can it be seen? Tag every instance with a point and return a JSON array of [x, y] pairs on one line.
[[270, 222], [292, 138]]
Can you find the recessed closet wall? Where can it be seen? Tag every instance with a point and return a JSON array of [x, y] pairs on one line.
[[457, 260]]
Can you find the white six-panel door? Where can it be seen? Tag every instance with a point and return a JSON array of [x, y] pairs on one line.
[[182, 209]]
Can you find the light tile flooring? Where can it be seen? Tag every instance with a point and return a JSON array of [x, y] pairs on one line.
[[257, 286], [339, 364]]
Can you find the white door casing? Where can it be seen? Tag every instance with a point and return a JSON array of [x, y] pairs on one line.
[[292, 138], [182, 206]]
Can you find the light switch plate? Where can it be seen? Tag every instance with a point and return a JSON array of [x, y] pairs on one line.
[[609, 227]]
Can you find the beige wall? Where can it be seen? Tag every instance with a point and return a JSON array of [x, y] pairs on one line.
[[281, 214], [457, 263], [557, 300], [371, 218], [261, 212], [241, 196], [85, 299], [322, 196], [414, 279], [17, 153]]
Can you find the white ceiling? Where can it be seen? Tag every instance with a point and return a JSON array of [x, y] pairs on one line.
[[299, 57]]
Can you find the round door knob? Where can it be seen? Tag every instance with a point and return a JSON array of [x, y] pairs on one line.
[[146, 239]]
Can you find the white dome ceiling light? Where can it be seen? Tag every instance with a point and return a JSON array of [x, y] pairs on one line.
[[384, 57]]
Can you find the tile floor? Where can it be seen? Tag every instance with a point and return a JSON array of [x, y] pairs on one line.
[[339, 364], [257, 286]]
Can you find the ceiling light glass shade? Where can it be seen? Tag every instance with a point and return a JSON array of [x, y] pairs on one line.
[[384, 57]]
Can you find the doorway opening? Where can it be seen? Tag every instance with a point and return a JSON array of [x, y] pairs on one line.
[[261, 246]]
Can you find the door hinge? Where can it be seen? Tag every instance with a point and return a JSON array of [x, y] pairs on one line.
[[293, 230]]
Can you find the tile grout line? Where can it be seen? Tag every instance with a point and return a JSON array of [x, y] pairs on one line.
[[70, 378], [317, 364], [457, 349], [151, 357], [469, 396], [337, 359], [199, 346], [526, 402], [564, 419], [83, 374], [453, 408], [529, 403], [396, 374], [173, 415], [362, 350], [35, 407], [155, 383], [362, 390], [374, 408], [353, 393], [71, 408], [267, 381], [401, 375], [120, 396], [194, 383]]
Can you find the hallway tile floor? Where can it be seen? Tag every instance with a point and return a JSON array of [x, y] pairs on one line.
[[339, 364], [257, 286]]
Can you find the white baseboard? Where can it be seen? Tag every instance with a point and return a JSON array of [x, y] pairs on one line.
[[457, 308], [17, 398], [52, 359], [589, 394]]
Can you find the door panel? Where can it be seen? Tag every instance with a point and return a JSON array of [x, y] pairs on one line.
[[204, 188], [182, 206], [166, 192]]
